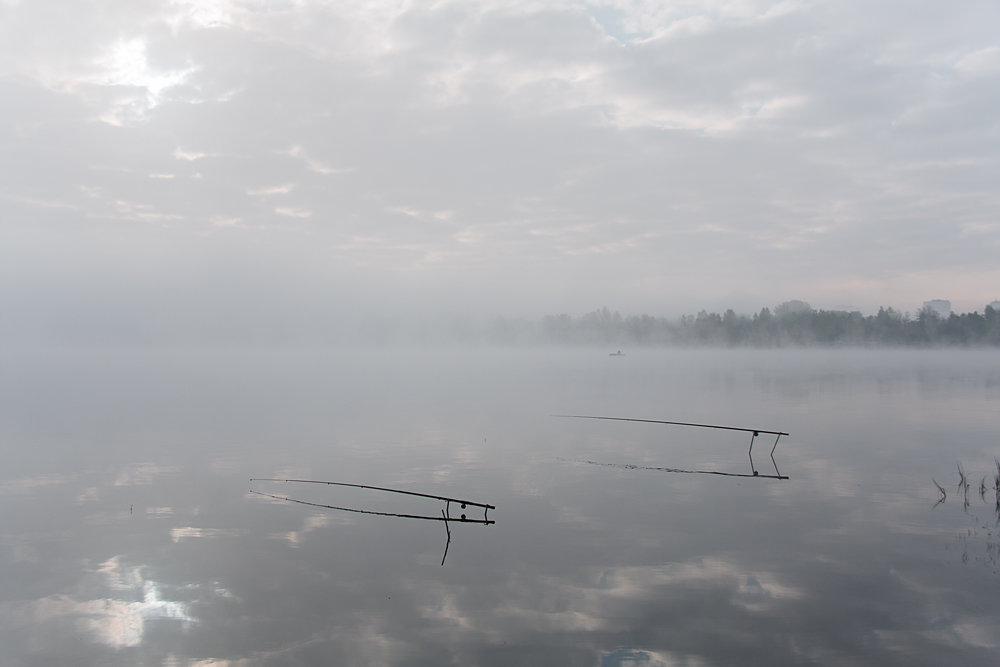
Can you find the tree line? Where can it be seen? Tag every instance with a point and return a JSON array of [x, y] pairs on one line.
[[793, 323]]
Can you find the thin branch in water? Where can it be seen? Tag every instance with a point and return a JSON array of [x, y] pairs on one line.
[[944, 494], [996, 480], [963, 485], [996, 485]]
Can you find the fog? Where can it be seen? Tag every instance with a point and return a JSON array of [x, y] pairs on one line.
[[231, 170]]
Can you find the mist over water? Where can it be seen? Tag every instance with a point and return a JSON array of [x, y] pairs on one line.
[[129, 534], [372, 243]]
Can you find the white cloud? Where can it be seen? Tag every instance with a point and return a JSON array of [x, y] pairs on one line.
[[204, 13], [980, 63], [282, 189], [416, 141], [189, 156]]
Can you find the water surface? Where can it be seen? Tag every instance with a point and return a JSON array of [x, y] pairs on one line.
[[129, 535]]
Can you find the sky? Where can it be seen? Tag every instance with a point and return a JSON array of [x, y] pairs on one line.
[[233, 163]]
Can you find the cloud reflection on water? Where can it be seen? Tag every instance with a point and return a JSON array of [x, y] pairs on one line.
[[117, 620], [309, 524], [844, 563], [179, 533]]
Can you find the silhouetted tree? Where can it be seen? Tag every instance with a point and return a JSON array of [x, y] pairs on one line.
[[791, 323]]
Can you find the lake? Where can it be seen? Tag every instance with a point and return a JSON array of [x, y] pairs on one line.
[[130, 533]]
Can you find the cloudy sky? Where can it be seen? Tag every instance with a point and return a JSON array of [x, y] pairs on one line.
[[262, 159]]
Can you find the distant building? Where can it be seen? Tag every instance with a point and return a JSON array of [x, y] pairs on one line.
[[940, 307]]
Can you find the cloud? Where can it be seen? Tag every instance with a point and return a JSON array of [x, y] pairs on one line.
[[190, 156], [589, 144]]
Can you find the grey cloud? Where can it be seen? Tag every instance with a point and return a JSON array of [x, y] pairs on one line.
[[836, 145]]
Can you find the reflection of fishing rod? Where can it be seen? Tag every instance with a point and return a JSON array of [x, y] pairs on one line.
[[445, 515], [754, 431], [632, 466]]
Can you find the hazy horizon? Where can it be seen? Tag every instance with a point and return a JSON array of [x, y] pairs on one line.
[[269, 165], [789, 324]]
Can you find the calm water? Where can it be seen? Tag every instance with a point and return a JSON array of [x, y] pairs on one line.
[[128, 535]]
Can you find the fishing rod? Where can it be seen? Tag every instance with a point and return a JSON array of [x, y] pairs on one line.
[[660, 421], [446, 513], [753, 431], [463, 503]]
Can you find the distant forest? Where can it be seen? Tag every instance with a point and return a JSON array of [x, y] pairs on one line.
[[793, 323]]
